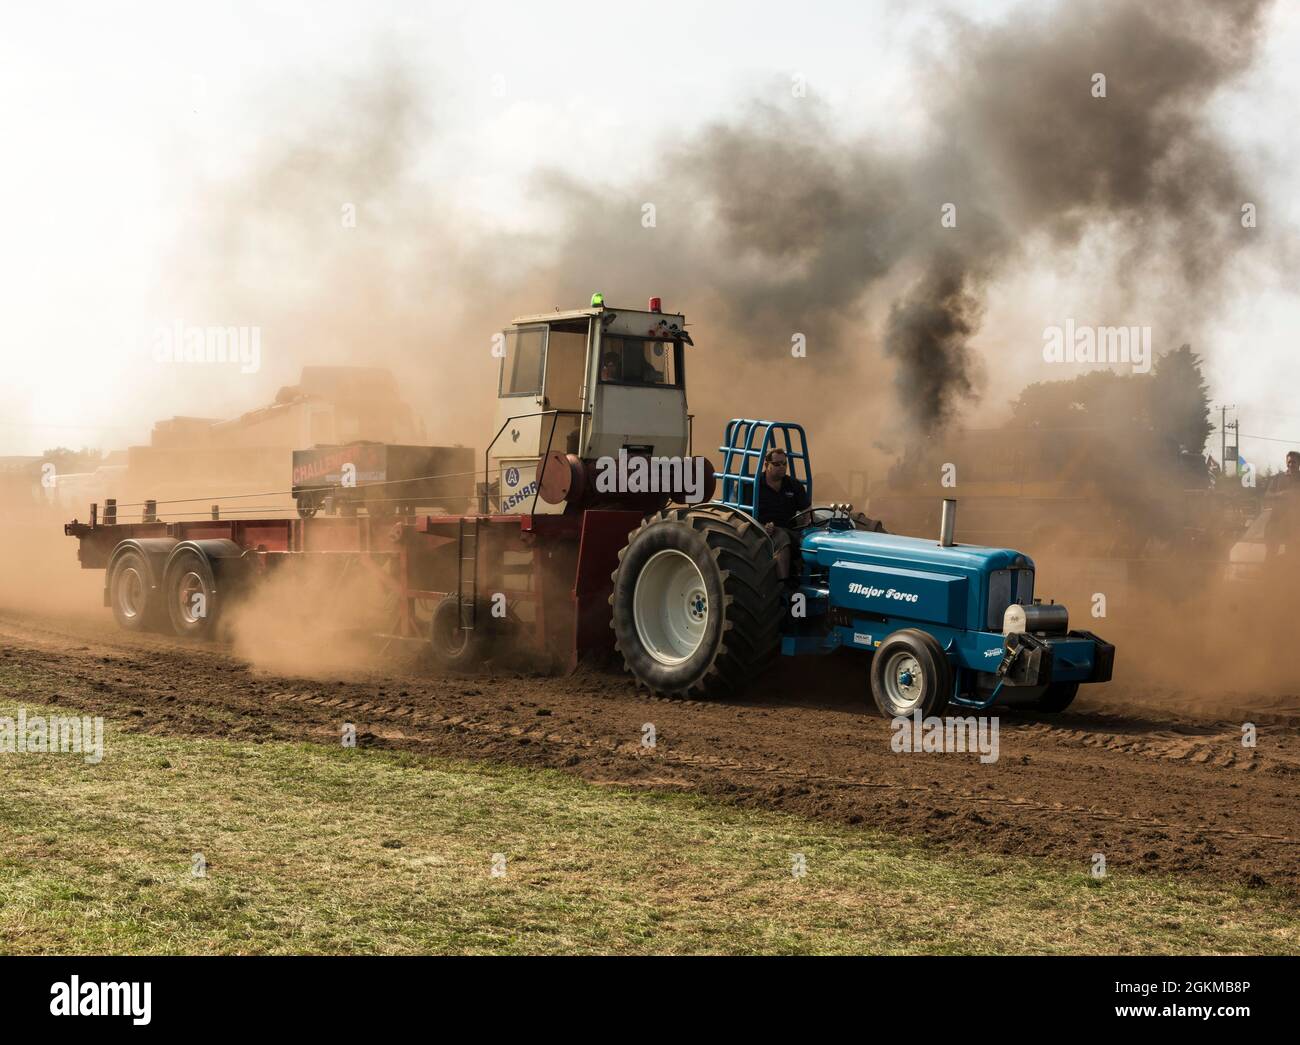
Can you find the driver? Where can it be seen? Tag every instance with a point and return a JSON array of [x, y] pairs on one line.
[[780, 499]]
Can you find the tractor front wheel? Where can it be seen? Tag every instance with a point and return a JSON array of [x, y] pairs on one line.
[[910, 672]]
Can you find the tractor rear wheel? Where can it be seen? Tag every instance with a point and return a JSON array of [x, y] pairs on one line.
[[696, 601], [910, 672], [1057, 697]]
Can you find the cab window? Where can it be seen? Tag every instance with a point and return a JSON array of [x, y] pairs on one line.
[[640, 361], [521, 367]]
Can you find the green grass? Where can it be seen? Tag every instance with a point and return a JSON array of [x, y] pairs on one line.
[[313, 849]]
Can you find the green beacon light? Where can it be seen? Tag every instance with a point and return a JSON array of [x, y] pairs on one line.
[[598, 300]]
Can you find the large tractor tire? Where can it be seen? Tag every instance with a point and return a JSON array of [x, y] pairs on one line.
[[696, 601], [455, 648], [910, 672]]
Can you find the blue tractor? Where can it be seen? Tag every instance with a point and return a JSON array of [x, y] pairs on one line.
[[698, 610]]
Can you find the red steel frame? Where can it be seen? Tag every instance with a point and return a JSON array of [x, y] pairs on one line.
[[572, 558]]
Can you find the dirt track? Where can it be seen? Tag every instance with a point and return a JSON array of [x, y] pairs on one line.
[[1153, 786]]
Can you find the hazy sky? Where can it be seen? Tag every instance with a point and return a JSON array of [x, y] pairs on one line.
[[110, 114]]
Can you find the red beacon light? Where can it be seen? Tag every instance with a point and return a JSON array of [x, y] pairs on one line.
[[656, 305]]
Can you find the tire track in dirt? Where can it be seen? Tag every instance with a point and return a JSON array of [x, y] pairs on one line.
[[374, 714], [1154, 792]]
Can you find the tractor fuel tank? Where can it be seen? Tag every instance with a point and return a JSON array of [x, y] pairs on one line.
[[631, 481], [1037, 618]]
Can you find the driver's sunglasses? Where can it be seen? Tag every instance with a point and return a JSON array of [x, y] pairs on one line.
[[778, 462]]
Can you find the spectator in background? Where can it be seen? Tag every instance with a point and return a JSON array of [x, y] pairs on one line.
[[1288, 481], [1282, 499]]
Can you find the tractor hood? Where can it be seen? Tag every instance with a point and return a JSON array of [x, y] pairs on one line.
[[888, 549], [883, 576]]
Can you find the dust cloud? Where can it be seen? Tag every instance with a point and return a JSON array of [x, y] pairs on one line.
[[772, 225], [312, 619]]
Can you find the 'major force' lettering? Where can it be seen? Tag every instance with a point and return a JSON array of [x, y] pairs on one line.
[[875, 593]]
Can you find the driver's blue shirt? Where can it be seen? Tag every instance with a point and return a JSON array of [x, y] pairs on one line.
[[780, 506]]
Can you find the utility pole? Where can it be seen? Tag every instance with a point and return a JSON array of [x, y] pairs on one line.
[[1223, 441]]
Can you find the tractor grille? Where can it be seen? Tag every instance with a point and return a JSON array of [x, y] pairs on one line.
[[1006, 587]]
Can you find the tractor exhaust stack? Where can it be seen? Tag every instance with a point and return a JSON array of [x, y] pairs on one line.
[[947, 522]]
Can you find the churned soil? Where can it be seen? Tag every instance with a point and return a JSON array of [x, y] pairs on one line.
[[1156, 784]]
